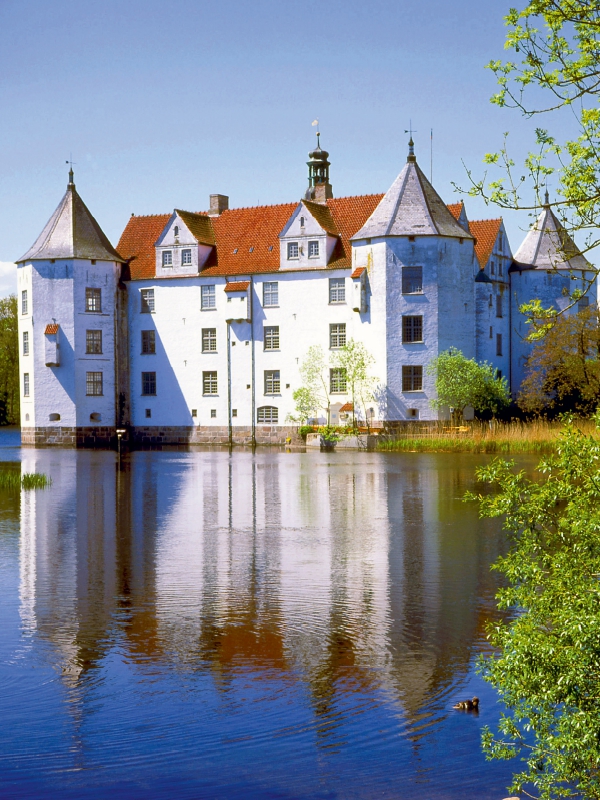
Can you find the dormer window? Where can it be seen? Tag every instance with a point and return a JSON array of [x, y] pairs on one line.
[[186, 258], [176, 230], [292, 250], [167, 258], [313, 249]]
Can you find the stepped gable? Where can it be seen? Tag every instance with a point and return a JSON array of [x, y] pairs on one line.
[[411, 207], [247, 239], [71, 232], [485, 232], [549, 246]]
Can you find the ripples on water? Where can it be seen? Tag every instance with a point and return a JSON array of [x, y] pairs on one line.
[[280, 625]]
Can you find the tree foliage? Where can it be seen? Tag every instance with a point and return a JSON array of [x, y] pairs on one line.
[[563, 370], [546, 664], [462, 382], [355, 360], [9, 361]]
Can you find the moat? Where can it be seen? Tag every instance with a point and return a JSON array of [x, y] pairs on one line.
[[268, 625]]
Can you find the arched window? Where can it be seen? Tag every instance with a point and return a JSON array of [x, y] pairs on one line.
[[176, 230], [267, 415]]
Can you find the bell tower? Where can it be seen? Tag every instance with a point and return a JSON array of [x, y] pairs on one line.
[[319, 188]]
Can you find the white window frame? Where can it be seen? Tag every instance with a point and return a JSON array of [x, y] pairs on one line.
[[272, 381], [267, 415], [24, 302], [167, 258], [293, 251], [25, 343], [337, 333], [25, 384], [210, 383], [94, 384], [209, 340], [186, 258], [338, 381], [208, 297], [147, 301], [337, 290], [271, 337], [270, 292], [313, 249]]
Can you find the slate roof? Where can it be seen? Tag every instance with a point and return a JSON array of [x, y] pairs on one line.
[[247, 239], [485, 232], [549, 246], [71, 232], [411, 207]]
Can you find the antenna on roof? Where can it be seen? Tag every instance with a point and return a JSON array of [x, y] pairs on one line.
[[71, 162], [431, 158]]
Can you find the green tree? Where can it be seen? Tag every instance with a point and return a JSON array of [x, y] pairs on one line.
[[9, 361], [462, 382], [546, 659], [563, 370], [313, 395], [355, 360]]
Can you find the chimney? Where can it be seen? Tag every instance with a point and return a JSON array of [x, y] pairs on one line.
[[218, 204]]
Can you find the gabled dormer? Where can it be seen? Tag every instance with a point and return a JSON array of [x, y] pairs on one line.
[[309, 237], [492, 249], [184, 244]]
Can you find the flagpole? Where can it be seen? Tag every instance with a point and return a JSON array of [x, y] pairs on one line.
[[431, 158]]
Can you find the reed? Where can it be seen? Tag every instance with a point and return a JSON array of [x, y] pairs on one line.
[[13, 479], [537, 436]]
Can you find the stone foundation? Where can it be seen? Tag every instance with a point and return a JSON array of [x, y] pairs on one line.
[[56, 436]]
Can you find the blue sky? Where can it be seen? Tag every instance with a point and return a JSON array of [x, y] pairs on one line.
[[163, 104]]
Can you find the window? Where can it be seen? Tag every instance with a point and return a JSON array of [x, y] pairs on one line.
[[25, 343], [500, 268], [412, 413], [93, 299], [167, 258], [208, 297], [148, 383], [412, 280], [176, 230], [271, 337], [301, 222], [491, 332], [26, 385], [500, 242], [234, 412], [292, 250], [271, 293], [272, 381], [583, 303], [498, 344], [267, 415], [95, 417], [337, 290], [337, 335], [209, 340], [148, 413], [209, 383], [412, 379], [412, 329], [93, 383], [24, 301], [186, 258], [493, 267], [213, 413], [498, 305], [337, 380], [93, 342], [147, 301], [194, 412], [54, 417], [313, 249], [148, 342]]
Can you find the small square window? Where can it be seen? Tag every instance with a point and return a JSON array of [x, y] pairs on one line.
[[194, 412], [93, 342], [337, 290], [93, 299], [337, 380], [412, 413], [186, 258], [272, 381], [147, 296], [337, 335], [25, 343], [412, 280], [213, 413], [167, 258], [292, 250], [412, 329], [209, 340], [209, 383], [148, 413], [208, 298], [148, 342], [234, 412], [271, 337], [313, 249], [24, 303], [412, 379], [148, 383], [270, 293], [93, 384]]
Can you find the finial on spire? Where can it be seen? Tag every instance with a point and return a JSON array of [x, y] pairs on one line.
[[71, 175], [547, 198], [411, 144]]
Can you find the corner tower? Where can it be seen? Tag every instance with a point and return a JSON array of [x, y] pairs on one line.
[[68, 300]]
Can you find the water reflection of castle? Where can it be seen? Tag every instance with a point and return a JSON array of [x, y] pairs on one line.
[[351, 576]]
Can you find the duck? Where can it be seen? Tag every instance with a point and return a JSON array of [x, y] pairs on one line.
[[467, 705]]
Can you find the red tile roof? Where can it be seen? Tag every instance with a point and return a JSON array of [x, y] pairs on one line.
[[455, 209], [52, 328], [485, 232], [358, 272], [247, 239], [237, 286], [346, 407]]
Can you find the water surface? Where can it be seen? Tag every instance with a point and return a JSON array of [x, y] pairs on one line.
[[278, 625]]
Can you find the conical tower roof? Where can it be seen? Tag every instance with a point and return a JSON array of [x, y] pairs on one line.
[[549, 246], [71, 232], [411, 207]]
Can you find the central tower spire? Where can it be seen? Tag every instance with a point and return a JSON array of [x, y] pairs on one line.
[[319, 188]]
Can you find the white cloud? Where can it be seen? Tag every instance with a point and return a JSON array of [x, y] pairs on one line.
[[8, 278]]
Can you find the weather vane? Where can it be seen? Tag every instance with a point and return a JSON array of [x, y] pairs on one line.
[[410, 129], [70, 162]]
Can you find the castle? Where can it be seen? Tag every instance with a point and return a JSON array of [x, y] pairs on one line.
[[194, 328]]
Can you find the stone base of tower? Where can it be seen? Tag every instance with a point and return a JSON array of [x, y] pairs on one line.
[[212, 434], [69, 437]]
